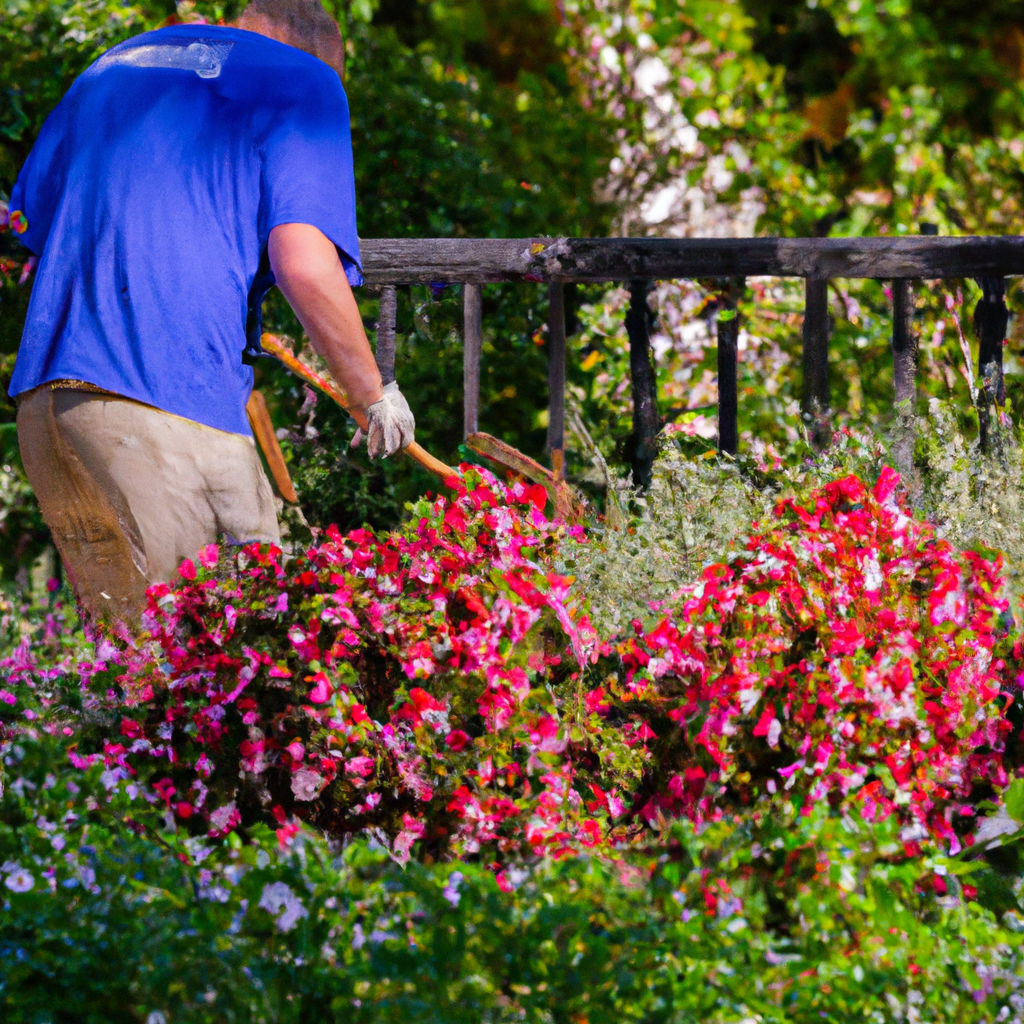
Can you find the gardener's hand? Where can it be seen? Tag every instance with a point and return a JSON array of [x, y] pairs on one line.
[[391, 424]]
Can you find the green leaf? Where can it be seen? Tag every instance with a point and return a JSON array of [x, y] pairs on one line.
[[1014, 800]]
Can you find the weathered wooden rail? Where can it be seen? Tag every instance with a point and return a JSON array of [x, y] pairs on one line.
[[473, 262]]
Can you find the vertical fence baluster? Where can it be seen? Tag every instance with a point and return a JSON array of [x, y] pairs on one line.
[[645, 389], [904, 372], [990, 319], [816, 399], [904, 345], [728, 334], [472, 340], [556, 376], [387, 320]]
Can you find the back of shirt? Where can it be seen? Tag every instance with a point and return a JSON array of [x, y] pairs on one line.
[[149, 198]]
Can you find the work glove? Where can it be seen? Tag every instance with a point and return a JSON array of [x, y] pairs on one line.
[[391, 424]]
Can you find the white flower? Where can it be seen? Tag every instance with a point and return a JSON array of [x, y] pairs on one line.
[[517, 875], [989, 831], [19, 880], [306, 785], [223, 817], [278, 898], [873, 578], [748, 699], [438, 721]]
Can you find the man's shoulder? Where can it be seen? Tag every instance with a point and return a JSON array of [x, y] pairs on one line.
[[219, 52]]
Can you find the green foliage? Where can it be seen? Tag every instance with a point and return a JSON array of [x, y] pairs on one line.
[[726, 924], [448, 146], [917, 103], [694, 512]]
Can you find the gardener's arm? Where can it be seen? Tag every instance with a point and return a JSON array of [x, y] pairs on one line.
[[311, 277], [309, 273]]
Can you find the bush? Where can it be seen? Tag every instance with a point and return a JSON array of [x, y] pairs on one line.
[[847, 653]]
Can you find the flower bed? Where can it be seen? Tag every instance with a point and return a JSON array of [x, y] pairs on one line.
[[783, 765], [442, 684]]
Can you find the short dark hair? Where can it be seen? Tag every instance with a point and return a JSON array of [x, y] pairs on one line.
[[308, 27]]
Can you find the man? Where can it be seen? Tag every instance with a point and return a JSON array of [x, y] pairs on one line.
[[185, 172]]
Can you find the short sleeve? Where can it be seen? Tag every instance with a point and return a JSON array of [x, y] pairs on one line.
[[37, 191], [307, 173]]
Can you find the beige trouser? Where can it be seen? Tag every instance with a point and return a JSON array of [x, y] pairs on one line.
[[129, 491]]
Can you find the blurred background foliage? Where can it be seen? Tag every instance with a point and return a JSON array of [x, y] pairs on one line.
[[596, 117]]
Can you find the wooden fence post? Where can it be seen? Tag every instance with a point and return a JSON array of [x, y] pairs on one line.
[[472, 340], [645, 389], [728, 327], [816, 398], [990, 319], [556, 376]]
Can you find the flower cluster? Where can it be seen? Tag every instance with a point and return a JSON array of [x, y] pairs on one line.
[[847, 654]]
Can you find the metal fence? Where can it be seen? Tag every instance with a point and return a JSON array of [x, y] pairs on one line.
[[472, 262]]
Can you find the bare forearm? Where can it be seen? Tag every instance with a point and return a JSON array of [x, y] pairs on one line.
[[312, 279]]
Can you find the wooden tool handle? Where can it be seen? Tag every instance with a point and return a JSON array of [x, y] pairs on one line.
[[263, 428], [427, 461], [282, 350]]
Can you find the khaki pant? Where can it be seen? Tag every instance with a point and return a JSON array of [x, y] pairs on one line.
[[129, 491]]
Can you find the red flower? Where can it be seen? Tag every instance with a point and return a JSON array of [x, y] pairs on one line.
[[456, 740]]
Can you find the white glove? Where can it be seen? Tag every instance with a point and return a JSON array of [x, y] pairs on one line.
[[391, 424]]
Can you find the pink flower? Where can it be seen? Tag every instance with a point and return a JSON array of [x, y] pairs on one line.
[[209, 556], [306, 785], [412, 829], [361, 766], [224, 819], [321, 692]]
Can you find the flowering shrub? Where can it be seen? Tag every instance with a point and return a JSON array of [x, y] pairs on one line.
[[422, 685], [847, 653], [442, 684]]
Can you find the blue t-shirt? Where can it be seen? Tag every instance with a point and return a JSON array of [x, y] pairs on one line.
[[149, 198]]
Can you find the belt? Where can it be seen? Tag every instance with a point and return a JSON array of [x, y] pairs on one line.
[[78, 385]]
